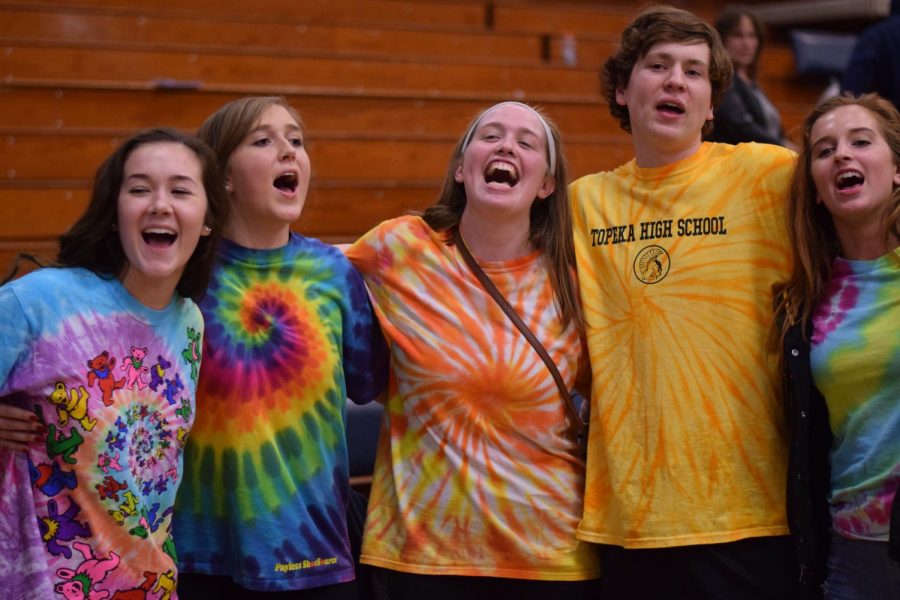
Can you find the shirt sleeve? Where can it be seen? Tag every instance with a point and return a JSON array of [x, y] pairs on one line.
[[15, 336], [365, 353]]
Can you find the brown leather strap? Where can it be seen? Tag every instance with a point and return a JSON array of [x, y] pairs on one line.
[[514, 317]]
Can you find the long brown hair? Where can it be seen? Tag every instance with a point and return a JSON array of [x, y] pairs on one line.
[[729, 21], [550, 227], [814, 241], [663, 24]]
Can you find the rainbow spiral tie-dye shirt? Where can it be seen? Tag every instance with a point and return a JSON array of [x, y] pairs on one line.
[[290, 335], [855, 361], [474, 473], [87, 512]]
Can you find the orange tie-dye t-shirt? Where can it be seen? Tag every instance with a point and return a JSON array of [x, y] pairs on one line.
[[474, 474], [676, 264]]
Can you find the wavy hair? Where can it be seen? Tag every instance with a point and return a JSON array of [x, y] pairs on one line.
[[814, 241], [654, 25], [550, 227]]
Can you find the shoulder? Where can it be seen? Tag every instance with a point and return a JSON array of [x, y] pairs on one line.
[[756, 155], [50, 279], [601, 178]]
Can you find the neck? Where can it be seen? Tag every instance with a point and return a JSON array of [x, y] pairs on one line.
[[648, 156], [864, 242], [495, 239], [259, 236], [154, 293], [743, 73]]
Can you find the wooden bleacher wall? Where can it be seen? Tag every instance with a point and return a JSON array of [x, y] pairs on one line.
[[385, 87]]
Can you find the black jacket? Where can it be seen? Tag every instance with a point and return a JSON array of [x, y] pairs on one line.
[[740, 117], [809, 477]]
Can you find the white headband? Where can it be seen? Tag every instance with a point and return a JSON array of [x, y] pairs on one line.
[[551, 149]]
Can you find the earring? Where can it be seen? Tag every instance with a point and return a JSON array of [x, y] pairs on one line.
[[228, 187], [206, 230]]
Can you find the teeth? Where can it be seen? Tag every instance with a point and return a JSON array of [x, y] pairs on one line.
[[160, 230], [848, 175], [502, 166]]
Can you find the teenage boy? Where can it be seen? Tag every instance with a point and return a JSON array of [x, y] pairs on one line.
[[677, 252]]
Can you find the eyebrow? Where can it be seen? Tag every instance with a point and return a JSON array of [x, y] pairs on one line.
[[853, 130], [267, 127], [669, 56], [143, 176], [518, 130]]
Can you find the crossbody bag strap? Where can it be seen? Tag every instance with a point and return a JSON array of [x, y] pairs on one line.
[[522, 327]]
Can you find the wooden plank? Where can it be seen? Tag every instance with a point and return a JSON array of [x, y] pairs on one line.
[[549, 19], [309, 39], [42, 110], [267, 74], [37, 214], [36, 158], [424, 14]]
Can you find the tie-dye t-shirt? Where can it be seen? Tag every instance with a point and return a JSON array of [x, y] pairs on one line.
[[855, 361], [688, 440], [290, 334], [87, 513], [474, 472]]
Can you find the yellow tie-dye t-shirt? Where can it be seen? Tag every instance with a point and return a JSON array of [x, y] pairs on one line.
[[676, 264], [474, 472]]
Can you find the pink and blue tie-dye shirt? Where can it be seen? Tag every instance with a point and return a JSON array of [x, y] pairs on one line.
[[856, 366], [86, 513]]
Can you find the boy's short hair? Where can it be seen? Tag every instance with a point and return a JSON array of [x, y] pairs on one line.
[[663, 24]]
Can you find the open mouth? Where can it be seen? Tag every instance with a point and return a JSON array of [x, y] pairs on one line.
[[159, 237], [287, 182], [849, 179], [670, 108], [501, 173]]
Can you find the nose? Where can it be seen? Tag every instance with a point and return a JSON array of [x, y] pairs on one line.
[[675, 78], [161, 203], [507, 143], [286, 149], [842, 151]]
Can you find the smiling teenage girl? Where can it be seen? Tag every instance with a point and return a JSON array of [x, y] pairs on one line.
[[290, 335], [477, 487], [99, 353], [838, 317]]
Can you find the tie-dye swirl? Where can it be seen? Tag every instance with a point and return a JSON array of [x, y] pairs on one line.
[[474, 473], [290, 334], [856, 366], [688, 439], [87, 512]]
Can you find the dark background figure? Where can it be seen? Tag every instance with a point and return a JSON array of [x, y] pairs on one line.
[[746, 113], [875, 62]]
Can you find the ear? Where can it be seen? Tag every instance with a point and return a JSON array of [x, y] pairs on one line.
[[621, 100], [547, 187], [458, 174], [709, 115], [897, 175], [205, 231]]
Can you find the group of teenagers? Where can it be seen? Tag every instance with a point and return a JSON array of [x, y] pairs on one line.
[[174, 385]]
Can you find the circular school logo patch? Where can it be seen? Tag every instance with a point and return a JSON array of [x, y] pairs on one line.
[[651, 265]]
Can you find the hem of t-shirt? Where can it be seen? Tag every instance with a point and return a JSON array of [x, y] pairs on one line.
[[468, 570], [694, 539], [258, 584]]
